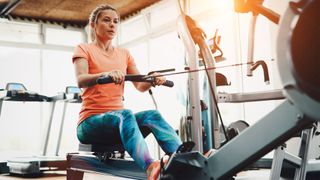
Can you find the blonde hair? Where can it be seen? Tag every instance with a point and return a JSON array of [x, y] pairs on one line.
[[95, 15]]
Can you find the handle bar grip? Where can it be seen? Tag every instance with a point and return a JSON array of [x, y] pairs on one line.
[[104, 80], [168, 83], [134, 78]]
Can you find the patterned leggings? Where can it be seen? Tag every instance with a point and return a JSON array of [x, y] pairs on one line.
[[122, 126]]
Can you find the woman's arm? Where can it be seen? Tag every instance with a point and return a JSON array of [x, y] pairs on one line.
[[85, 79], [144, 86]]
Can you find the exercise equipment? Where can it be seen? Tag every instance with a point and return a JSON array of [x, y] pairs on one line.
[[109, 159], [256, 7], [134, 78], [277, 94], [35, 165], [18, 92], [233, 130], [282, 163], [297, 167], [186, 122], [299, 111]]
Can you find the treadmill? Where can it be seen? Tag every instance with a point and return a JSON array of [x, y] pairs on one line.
[[36, 165], [18, 92]]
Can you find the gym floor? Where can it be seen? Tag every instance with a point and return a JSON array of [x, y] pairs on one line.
[[262, 174], [61, 175], [47, 176]]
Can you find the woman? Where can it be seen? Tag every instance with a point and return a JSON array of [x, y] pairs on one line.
[[103, 118]]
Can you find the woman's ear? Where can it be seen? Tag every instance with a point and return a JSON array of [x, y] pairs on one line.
[[92, 31], [92, 24]]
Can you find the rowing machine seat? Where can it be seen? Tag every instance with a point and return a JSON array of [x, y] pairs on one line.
[[107, 151]]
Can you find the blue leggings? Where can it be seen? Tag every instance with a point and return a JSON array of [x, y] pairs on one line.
[[122, 126]]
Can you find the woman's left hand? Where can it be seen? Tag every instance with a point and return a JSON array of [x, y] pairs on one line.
[[159, 80]]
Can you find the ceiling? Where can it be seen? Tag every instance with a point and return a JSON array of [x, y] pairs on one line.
[[67, 12]]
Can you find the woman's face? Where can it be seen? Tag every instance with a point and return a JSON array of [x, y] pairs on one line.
[[106, 25]]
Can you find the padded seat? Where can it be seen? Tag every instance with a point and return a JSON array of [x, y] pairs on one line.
[[102, 148]]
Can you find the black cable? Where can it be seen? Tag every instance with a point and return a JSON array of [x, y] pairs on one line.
[[216, 102]]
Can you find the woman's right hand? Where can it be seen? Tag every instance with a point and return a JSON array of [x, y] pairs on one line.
[[116, 75]]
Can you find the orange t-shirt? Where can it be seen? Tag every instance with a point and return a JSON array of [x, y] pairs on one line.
[[105, 97]]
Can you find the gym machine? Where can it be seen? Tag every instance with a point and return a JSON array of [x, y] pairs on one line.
[[108, 159], [35, 165], [18, 92], [299, 111]]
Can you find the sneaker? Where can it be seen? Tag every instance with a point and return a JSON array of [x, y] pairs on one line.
[[153, 170], [209, 153]]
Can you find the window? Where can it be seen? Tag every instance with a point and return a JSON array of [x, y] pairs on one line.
[[141, 56], [20, 122], [20, 65], [166, 52], [57, 71], [19, 32], [132, 29], [43, 69], [63, 37], [215, 6], [163, 13]]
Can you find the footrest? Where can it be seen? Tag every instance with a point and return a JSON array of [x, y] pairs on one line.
[[100, 148]]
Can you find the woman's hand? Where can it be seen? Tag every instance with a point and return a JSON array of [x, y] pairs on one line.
[[116, 75], [159, 80]]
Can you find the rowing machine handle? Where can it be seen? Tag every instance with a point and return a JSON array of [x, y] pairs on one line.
[[133, 78]]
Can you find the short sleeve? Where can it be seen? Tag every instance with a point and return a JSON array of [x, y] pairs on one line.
[[79, 52], [130, 59]]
